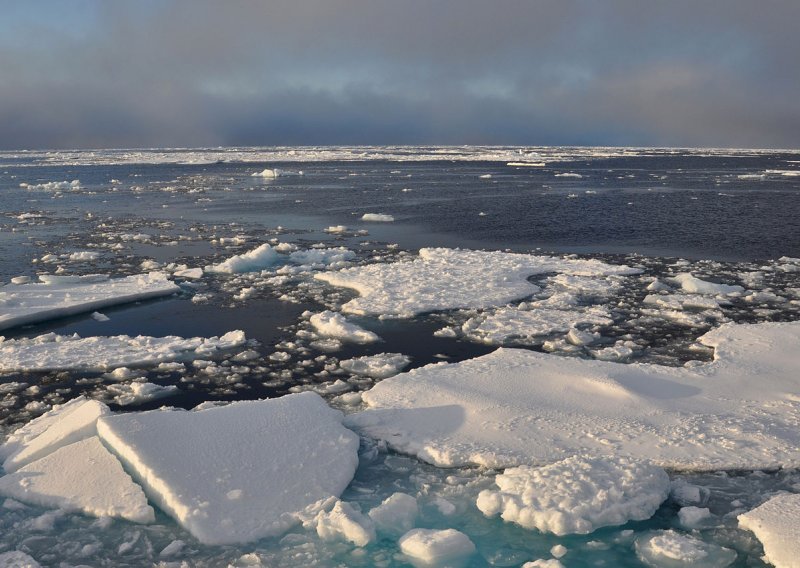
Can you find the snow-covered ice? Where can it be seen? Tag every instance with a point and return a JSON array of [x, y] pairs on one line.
[[671, 549], [443, 279], [577, 495], [524, 326], [239, 472], [693, 285], [331, 324], [70, 352], [82, 476], [378, 366], [60, 296], [396, 514], [515, 407], [343, 522], [17, 559], [139, 392], [377, 217], [433, 546], [261, 257], [61, 426], [776, 524]]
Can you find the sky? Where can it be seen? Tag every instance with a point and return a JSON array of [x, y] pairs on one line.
[[188, 73]]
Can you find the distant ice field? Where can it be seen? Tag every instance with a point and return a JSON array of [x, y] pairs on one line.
[[350, 272]]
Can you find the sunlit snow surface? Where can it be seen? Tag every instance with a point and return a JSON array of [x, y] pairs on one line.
[[486, 218]]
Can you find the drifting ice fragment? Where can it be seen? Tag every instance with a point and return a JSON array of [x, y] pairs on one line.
[[331, 324], [776, 524], [436, 546]]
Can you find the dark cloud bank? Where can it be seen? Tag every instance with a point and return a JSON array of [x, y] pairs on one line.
[[191, 73]]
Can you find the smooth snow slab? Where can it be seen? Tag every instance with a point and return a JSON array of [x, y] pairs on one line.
[[64, 425], [776, 524], [239, 472], [84, 477], [577, 495], [64, 352], [60, 296], [444, 279], [515, 407]]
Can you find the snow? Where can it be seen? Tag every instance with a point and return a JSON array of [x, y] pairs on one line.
[[101, 353], [257, 259], [331, 324], [436, 546], [514, 407], [668, 549], [139, 392], [84, 255], [776, 524], [396, 514], [343, 522], [82, 476], [59, 427], [377, 366], [524, 326], [60, 296], [270, 173], [53, 185], [694, 517], [17, 559], [444, 279], [322, 256], [694, 285], [190, 273], [577, 495], [377, 217], [239, 472]]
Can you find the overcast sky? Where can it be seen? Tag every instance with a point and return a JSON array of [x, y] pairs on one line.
[[100, 73]]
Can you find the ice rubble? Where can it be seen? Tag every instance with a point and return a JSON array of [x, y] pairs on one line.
[[71, 352], [331, 324], [442, 279], [82, 476], [240, 472], [524, 326], [515, 407], [577, 495], [59, 296], [776, 524]]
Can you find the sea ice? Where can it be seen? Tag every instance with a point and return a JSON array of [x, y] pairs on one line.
[[71, 352], [259, 258], [239, 472], [443, 279], [17, 559], [694, 285], [577, 495], [331, 324], [379, 217], [396, 514], [776, 524], [63, 425], [139, 392], [59, 296], [671, 549], [515, 407], [436, 546], [343, 522], [82, 476], [525, 326], [377, 366], [316, 257]]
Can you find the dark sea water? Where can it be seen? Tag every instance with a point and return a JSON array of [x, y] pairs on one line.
[[718, 214]]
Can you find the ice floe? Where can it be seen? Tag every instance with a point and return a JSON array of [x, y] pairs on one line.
[[528, 326], [378, 366], [377, 217], [776, 524], [59, 296], [433, 546], [81, 476], [343, 522], [515, 407], [577, 495], [333, 325], [443, 279], [668, 549], [693, 285], [259, 258], [71, 352], [239, 472]]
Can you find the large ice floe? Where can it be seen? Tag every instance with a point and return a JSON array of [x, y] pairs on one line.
[[514, 407], [60, 296], [776, 524], [227, 474], [70, 352], [443, 279]]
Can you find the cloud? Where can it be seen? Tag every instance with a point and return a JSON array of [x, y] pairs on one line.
[[165, 73]]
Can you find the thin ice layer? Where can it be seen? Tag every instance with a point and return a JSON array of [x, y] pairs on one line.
[[577, 495], [443, 279], [239, 472], [776, 524], [64, 352], [84, 477], [60, 296], [60, 427], [516, 407]]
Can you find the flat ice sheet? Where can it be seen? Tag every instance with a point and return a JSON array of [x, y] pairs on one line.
[[60, 296], [524, 326], [64, 352], [239, 472], [516, 407], [84, 477], [776, 524], [443, 279]]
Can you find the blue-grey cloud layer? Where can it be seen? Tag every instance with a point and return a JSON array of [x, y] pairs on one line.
[[188, 73]]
